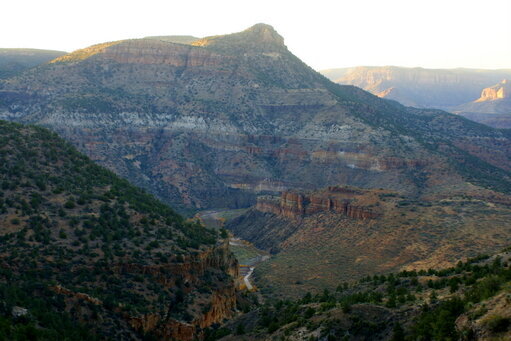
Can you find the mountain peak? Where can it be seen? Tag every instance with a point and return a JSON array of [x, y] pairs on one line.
[[264, 31], [260, 37]]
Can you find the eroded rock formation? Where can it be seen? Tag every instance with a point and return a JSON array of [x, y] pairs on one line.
[[221, 302], [295, 205], [499, 91]]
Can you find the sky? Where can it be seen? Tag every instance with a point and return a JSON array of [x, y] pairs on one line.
[[323, 33]]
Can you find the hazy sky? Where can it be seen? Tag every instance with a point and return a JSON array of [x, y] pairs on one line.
[[325, 34]]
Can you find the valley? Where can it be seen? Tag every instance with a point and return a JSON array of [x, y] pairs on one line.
[[186, 188], [316, 242], [248, 255]]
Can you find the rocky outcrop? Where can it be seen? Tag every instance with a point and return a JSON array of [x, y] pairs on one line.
[[260, 37], [488, 320], [221, 307], [492, 108], [77, 295], [189, 270], [499, 91], [294, 205], [168, 330], [419, 87]]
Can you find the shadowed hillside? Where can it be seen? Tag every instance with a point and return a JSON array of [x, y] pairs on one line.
[[15, 61], [86, 255]]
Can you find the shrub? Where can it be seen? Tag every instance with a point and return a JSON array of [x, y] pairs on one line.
[[498, 324], [70, 204]]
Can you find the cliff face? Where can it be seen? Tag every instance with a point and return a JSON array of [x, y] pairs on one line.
[[316, 242], [221, 302], [444, 89], [499, 91], [454, 90], [493, 107], [274, 220], [223, 119], [294, 205], [222, 307]]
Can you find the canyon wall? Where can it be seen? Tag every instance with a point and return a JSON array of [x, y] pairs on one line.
[[295, 205], [190, 271], [221, 302], [216, 124], [419, 87]]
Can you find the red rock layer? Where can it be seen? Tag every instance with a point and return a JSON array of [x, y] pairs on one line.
[[294, 205], [222, 307], [222, 302]]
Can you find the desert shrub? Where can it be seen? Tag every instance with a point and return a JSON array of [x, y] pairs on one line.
[[498, 324]]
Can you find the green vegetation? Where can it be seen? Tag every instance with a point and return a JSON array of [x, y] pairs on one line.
[[246, 254], [15, 61], [438, 298], [71, 227], [83, 54], [44, 320], [431, 128], [498, 324]]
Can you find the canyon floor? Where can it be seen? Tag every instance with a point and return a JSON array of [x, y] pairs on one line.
[[245, 252]]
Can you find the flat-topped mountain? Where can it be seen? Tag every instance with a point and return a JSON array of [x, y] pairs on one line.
[[453, 90], [14, 61], [214, 123], [419, 87]]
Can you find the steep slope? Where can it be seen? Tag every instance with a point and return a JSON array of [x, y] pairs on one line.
[[81, 247], [15, 61], [467, 302], [419, 87], [213, 123], [320, 238], [492, 108]]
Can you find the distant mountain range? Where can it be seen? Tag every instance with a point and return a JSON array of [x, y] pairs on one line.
[[15, 61], [492, 108], [454, 90]]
